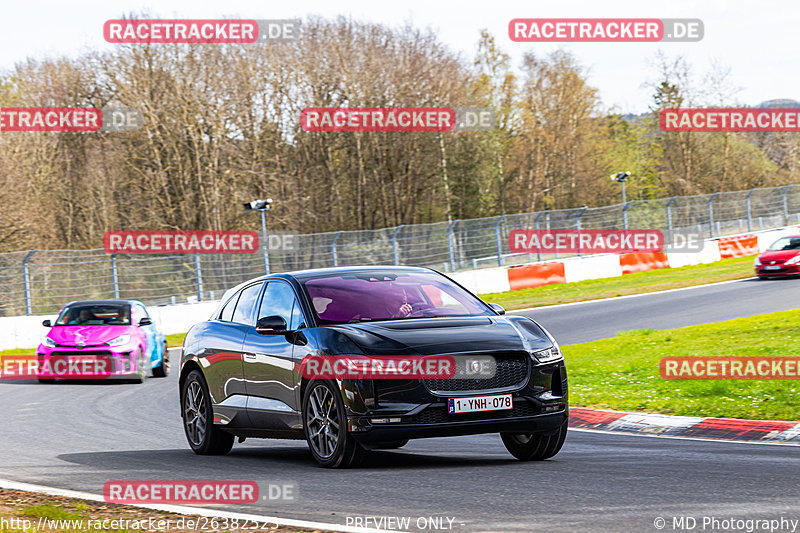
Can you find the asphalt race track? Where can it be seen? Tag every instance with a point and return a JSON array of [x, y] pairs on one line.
[[79, 436]]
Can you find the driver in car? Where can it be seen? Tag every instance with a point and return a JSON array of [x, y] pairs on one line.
[[402, 307], [84, 317], [122, 316]]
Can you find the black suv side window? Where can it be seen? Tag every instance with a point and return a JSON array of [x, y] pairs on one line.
[[244, 307], [279, 299], [298, 320], [226, 314]]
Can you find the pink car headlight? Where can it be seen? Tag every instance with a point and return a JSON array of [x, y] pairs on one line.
[[119, 341]]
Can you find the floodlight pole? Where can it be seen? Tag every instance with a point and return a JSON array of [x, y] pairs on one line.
[[265, 247]]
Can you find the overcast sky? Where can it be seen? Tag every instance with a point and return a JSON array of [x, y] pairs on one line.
[[758, 44]]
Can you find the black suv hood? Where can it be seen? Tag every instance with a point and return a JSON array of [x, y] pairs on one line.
[[442, 336]]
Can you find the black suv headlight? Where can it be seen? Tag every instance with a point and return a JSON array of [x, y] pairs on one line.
[[549, 355]]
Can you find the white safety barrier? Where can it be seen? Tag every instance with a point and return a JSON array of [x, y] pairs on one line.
[[709, 254], [592, 267], [484, 281]]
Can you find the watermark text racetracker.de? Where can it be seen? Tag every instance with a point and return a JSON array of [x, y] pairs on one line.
[[595, 241], [720, 119], [397, 119], [572, 30], [185, 523], [74, 119], [398, 367], [54, 367], [180, 242], [585, 241], [185, 31], [197, 492], [728, 524], [730, 368]]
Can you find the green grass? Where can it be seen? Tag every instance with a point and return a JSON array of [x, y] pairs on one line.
[[53, 512], [623, 373], [61, 513], [650, 281], [18, 351], [175, 340]]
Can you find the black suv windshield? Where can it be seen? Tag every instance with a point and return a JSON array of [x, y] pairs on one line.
[[387, 295]]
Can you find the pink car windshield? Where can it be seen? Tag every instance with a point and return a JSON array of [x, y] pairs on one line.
[[356, 297], [89, 314]]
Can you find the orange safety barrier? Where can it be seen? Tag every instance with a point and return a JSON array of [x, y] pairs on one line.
[[526, 276], [740, 246], [641, 261]]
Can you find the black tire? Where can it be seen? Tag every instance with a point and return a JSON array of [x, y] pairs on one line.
[[325, 427], [389, 445], [534, 446], [141, 369], [46, 381], [762, 278], [201, 433], [162, 370]]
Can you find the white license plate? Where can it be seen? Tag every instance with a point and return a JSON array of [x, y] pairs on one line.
[[473, 404], [775, 267]]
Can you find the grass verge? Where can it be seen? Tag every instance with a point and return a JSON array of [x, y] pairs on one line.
[[175, 340], [650, 281], [623, 373]]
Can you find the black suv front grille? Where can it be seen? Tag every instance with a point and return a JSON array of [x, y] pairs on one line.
[[511, 374]]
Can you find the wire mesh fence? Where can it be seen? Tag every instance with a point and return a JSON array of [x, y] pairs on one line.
[[41, 281]]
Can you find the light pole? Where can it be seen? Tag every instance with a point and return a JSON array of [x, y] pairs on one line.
[[263, 206], [622, 177]]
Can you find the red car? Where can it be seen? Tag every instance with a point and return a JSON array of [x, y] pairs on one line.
[[782, 258]]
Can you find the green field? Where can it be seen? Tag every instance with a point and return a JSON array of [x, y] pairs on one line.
[[175, 340], [623, 372], [650, 281]]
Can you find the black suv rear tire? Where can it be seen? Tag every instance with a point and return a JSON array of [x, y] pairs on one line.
[[198, 418]]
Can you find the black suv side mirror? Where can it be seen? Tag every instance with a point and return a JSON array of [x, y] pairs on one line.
[[145, 321], [497, 308], [47, 323], [267, 325]]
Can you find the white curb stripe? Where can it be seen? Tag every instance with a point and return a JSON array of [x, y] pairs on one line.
[[791, 434], [655, 424], [679, 437], [187, 510]]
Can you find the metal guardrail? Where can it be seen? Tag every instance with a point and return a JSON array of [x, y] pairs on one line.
[[41, 281]]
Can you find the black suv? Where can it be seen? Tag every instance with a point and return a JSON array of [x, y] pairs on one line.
[[242, 371]]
